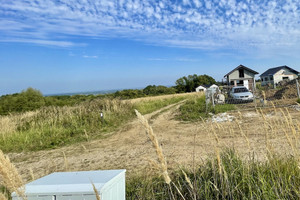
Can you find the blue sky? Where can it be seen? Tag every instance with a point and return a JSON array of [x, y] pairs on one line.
[[86, 45]]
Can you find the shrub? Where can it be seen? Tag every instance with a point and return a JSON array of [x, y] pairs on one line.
[[27, 100], [158, 90]]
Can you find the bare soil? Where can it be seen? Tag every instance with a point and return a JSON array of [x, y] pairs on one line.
[[184, 144]]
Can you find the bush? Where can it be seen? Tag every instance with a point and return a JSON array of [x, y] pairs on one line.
[[298, 101], [27, 100], [129, 94], [158, 90], [32, 99]]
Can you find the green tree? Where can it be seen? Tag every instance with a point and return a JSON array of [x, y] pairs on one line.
[[158, 90], [29, 99], [189, 83]]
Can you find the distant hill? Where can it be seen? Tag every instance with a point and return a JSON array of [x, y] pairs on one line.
[[84, 93]]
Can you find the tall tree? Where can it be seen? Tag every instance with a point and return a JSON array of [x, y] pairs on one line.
[[189, 83]]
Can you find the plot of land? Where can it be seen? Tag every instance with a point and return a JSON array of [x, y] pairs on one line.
[[183, 143]]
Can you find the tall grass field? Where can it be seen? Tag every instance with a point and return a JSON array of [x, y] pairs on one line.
[[225, 174]]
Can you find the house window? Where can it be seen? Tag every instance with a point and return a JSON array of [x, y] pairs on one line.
[[231, 82], [262, 79], [285, 78], [271, 78], [241, 73], [240, 82], [266, 78]]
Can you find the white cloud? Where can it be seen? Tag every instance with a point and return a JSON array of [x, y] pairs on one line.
[[200, 24], [86, 56], [43, 42]]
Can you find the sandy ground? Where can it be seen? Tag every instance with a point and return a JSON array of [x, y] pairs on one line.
[[184, 144]]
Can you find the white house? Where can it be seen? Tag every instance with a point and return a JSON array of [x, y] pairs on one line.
[[277, 74], [213, 86], [241, 76], [200, 89], [205, 87]]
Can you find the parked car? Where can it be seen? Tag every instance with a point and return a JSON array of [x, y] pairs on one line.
[[241, 94]]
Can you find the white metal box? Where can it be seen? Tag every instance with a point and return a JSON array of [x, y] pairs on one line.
[[110, 185]]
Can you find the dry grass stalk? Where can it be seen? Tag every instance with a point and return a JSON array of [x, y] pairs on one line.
[[179, 192], [11, 179], [3, 197], [264, 95], [292, 127], [159, 152], [240, 115], [96, 192], [218, 159], [153, 164], [31, 174], [66, 163], [86, 135], [188, 180], [287, 125], [215, 134], [244, 135], [84, 148]]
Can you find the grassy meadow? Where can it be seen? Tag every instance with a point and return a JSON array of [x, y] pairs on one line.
[[225, 174], [55, 126]]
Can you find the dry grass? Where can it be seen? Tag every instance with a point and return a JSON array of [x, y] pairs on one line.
[[10, 177], [96, 192], [9, 124], [3, 197], [276, 126], [157, 147], [161, 158]]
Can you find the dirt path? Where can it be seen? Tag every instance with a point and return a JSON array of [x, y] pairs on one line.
[[129, 148]]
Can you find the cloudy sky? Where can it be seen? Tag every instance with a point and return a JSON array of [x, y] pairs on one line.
[[85, 45]]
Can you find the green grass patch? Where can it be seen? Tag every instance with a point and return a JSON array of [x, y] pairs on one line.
[[234, 178], [195, 109], [149, 106], [53, 127]]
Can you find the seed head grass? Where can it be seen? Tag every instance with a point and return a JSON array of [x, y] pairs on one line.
[[10, 177], [3, 197], [157, 147], [96, 192]]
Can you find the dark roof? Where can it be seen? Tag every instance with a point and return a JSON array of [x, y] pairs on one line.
[[244, 67], [274, 70]]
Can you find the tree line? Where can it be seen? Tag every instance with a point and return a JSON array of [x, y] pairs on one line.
[[32, 99]]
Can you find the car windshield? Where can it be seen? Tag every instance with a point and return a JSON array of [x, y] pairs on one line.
[[239, 90]]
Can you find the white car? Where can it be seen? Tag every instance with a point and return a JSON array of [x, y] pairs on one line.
[[241, 93]]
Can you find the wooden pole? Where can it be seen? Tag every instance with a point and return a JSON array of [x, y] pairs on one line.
[[298, 91]]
